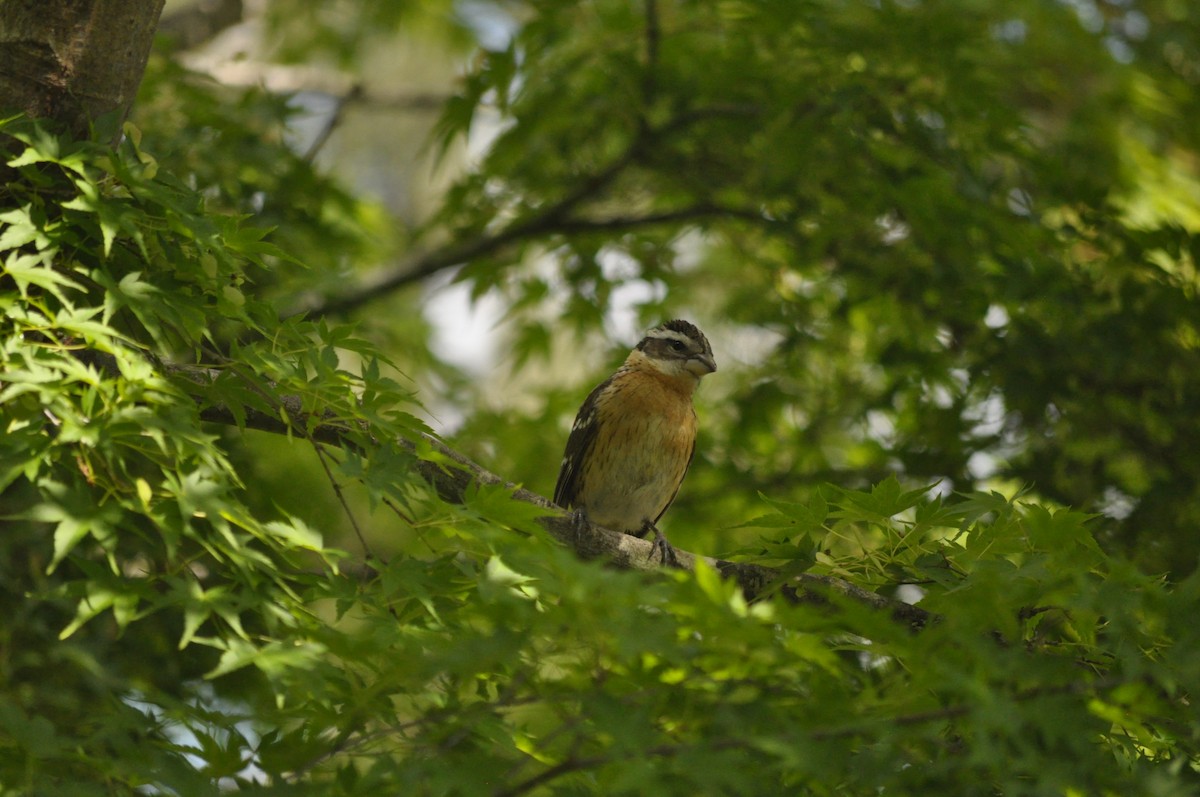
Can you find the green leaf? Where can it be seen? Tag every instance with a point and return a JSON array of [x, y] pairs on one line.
[[237, 653], [98, 599], [18, 228], [37, 270], [297, 533], [885, 500], [67, 534], [802, 518]]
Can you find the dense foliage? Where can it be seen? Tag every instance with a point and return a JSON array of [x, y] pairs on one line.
[[946, 252]]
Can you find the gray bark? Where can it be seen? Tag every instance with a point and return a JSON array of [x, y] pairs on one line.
[[74, 61]]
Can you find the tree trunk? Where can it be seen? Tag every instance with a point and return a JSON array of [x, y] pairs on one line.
[[74, 61]]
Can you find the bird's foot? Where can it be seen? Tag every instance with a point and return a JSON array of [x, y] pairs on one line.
[[579, 523], [666, 551]]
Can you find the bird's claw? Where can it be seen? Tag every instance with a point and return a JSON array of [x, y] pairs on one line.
[[666, 551], [579, 523]]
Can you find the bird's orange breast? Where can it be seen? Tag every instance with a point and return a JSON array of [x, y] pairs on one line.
[[644, 441]]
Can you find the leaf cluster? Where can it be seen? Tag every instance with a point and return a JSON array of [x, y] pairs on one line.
[[924, 239], [121, 507], [929, 247]]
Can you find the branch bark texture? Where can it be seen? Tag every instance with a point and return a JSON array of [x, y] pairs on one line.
[[74, 61], [453, 474]]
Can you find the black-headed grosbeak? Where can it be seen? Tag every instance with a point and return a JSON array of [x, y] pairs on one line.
[[635, 435]]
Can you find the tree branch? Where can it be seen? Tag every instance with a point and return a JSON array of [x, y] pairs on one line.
[[653, 38], [555, 219], [549, 223], [592, 541], [589, 540], [429, 264], [574, 764], [74, 61], [193, 25]]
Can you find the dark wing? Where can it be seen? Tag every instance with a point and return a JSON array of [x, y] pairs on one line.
[[678, 484], [579, 442]]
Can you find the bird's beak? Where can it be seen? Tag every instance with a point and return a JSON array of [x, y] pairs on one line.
[[702, 364]]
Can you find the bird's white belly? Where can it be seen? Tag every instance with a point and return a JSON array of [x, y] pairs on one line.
[[629, 504]]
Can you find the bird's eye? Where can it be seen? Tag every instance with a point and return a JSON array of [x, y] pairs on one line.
[[676, 345]]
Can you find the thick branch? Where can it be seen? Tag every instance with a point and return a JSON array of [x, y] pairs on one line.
[[74, 61], [590, 541]]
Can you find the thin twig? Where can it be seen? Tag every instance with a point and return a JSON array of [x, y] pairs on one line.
[[590, 762], [333, 122], [341, 497], [412, 524], [653, 37]]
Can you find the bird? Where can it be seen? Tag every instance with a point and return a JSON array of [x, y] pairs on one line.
[[635, 435]]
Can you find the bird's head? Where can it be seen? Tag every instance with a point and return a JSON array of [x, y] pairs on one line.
[[677, 348]]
